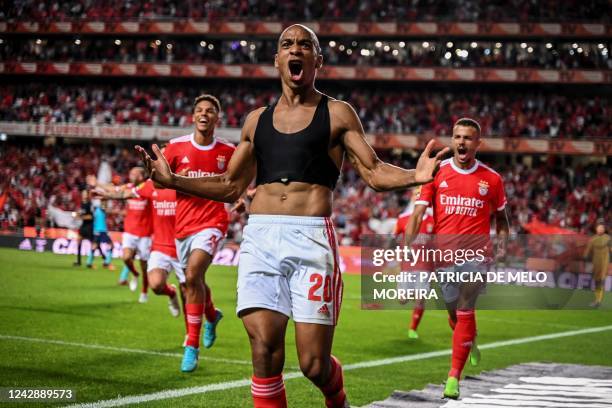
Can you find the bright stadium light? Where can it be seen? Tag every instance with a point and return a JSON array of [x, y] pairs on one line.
[[395, 53], [38, 41], [202, 43], [378, 44], [523, 45], [243, 43], [458, 52], [1, 41], [77, 42], [425, 44], [3, 137], [354, 43], [332, 43], [211, 47], [341, 47], [349, 52], [498, 45], [448, 55], [549, 45], [572, 52], [252, 47], [574, 45], [118, 42], [169, 46], [474, 44], [402, 44], [365, 53], [487, 51], [530, 50], [386, 48], [158, 42], [579, 50], [600, 46], [449, 44]]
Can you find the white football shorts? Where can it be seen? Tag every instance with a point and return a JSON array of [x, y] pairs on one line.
[[142, 245], [290, 264], [207, 240], [160, 260]]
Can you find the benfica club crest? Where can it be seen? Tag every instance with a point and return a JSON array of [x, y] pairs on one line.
[[221, 162], [483, 187]]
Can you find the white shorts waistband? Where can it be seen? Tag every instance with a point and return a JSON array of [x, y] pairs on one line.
[[265, 219]]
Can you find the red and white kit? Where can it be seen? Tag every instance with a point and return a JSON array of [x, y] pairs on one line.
[[463, 199], [138, 225], [200, 223], [163, 251]]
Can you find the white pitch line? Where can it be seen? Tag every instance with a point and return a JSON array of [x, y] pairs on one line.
[[182, 392], [118, 349]]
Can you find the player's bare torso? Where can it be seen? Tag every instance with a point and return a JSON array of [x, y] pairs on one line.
[[297, 198]]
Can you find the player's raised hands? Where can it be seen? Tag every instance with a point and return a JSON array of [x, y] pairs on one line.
[[158, 168], [427, 166]]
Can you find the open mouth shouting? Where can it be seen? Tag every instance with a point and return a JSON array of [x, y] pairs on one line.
[[462, 153], [296, 70]]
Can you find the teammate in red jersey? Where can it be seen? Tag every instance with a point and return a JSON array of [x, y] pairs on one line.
[[464, 195], [162, 259], [137, 230], [426, 228], [200, 223], [288, 256]]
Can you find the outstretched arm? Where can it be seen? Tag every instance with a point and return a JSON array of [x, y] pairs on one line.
[[227, 187], [377, 174]]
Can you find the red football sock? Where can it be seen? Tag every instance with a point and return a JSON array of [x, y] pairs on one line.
[[463, 337], [268, 392], [451, 323], [209, 308], [194, 323], [417, 314], [334, 389], [169, 291]]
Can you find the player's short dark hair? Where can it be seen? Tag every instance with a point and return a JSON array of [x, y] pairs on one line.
[[310, 31], [210, 98], [468, 122]]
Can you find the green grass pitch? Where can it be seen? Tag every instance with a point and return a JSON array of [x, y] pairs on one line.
[[59, 312]]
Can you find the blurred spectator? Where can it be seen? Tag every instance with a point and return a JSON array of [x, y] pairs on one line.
[[348, 10], [458, 54], [500, 113]]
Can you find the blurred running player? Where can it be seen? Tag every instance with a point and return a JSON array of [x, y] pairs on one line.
[[464, 195], [598, 250], [289, 257], [137, 230], [400, 230], [100, 236], [200, 223], [85, 214], [162, 259]]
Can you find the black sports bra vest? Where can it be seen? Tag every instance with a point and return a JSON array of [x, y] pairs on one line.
[[301, 156]]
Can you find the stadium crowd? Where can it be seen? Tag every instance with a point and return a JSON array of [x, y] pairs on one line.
[[458, 54], [376, 10], [571, 197], [501, 113]]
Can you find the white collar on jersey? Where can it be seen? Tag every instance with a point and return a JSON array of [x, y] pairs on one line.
[[199, 146], [463, 171]]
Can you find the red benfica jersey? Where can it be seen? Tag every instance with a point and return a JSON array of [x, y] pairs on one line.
[[164, 210], [138, 220], [463, 200], [194, 214]]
